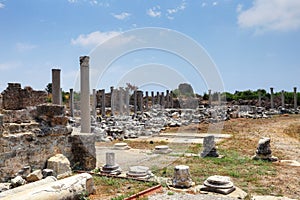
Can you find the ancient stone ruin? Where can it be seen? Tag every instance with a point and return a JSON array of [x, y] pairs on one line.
[[263, 151]]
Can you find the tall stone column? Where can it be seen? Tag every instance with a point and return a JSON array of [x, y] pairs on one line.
[[102, 92], [56, 86], [112, 100], [162, 99], [295, 98], [171, 99], [147, 100], [121, 101], [94, 104], [167, 105], [85, 94], [219, 98], [152, 98], [127, 97], [158, 98], [71, 102], [259, 98], [140, 100], [135, 102], [272, 98], [209, 97], [282, 98]]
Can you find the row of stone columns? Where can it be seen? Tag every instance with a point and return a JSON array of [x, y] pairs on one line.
[[259, 98], [282, 98]]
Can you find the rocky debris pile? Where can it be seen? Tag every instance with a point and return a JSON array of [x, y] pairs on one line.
[[264, 151], [218, 184], [57, 166]]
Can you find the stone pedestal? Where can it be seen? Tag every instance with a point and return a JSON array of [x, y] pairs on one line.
[[139, 172], [182, 177], [162, 149], [218, 184], [83, 150], [111, 167], [121, 146], [209, 147], [263, 151]]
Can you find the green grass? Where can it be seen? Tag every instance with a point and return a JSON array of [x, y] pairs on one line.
[[245, 172]]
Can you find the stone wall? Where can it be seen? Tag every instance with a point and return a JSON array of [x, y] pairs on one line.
[[31, 136], [16, 98]]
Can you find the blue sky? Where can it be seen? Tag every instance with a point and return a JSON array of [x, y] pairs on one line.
[[253, 43]]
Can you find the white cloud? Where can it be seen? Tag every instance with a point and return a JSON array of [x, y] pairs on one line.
[[181, 7], [9, 66], [2, 5], [72, 1], [239, 8], [22, 47], [93, 39], [275, 15], [121, 16], [215, 3], [154, 12], [203, 4]]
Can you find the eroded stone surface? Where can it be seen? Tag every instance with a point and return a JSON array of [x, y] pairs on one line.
[[60, 165], [182, 177], [263, 151]]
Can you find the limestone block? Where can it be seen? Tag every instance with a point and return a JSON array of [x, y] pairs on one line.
[[17, 181], [60, 165], [34, 176], [69, 188]]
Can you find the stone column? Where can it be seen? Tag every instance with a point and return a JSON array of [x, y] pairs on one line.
[[85, 94], [60, 96], [219, 98], [71, 102], [112, 100], [259, 98], [295, 98], [140, 94], [282, 98], [167, 99], [121, 101], [171, 99], [102, 92], [272, 98], [152, 98], [135, 102], [147, 100], [94, 108], [162, 99], [127, 101], [209, 97], [56, 86], [157, 98]]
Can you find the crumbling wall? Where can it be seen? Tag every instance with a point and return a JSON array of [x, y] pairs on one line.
[[31, 136], [16, 98]]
